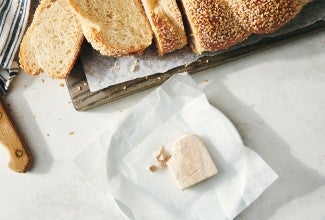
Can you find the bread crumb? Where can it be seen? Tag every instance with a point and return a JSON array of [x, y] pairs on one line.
[[85, 84], [186, 65], [153, 168], [124, 88], [116, 67], [47, 134], [159, 78], [79, 88], [61, 84], [206, 80], [119, 109], [43, 81], [71, 133], [134, 65]]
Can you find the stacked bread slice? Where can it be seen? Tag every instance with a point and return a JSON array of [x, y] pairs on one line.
[[114, 27], [167, 24], [122, 28], [52, 42]]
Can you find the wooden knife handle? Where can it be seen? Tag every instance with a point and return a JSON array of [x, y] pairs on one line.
[[20, 157]]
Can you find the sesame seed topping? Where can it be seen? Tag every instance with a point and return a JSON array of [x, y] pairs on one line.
[[265, 16], [169, 30], [219, 24]]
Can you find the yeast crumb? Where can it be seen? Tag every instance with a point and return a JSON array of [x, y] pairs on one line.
[[152, 168]]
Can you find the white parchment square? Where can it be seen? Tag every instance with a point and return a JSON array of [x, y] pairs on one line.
[[173, 109]]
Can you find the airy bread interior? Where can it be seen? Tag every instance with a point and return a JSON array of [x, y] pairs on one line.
[[52, 42], [114, 27]]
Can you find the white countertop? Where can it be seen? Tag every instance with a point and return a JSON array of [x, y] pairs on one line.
[[275, 98]]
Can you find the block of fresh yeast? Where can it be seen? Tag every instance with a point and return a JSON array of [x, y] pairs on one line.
[[190, 162]]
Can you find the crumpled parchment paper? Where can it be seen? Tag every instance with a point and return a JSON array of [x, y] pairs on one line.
[[117, 161], [103, 71]]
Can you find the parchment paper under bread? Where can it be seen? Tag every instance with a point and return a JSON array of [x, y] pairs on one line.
[[103, 71]]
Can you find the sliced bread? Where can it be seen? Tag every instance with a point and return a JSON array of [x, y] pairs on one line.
[[115, 28], [167, 24], [262, 17], [212, 24], [53, 40]]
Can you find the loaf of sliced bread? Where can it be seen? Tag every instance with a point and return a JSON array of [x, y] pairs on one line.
[[115, 28], [53, 40], [167, 24], [262, 17], [212, 25]]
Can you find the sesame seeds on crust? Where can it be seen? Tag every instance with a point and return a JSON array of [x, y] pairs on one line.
[[213, 23], [265, 16], [168, 36], [220, 24], [167, 24]]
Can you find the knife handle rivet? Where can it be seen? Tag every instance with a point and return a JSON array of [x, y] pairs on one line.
[[19, 153]]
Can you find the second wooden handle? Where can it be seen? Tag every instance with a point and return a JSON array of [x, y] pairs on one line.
[[20, 157]]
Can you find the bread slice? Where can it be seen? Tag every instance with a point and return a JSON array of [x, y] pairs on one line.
[[262, 17], [115, 28], [53, 40], [212, 24], [27, 57], [167, 24]]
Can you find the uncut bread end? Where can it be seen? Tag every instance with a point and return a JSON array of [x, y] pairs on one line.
[[219, 24], [265, 16]]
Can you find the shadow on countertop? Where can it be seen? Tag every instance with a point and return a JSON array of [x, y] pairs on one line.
[[42, 157], [295, 178]]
